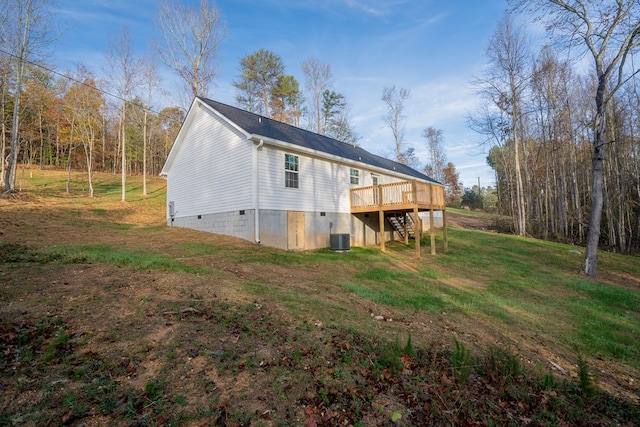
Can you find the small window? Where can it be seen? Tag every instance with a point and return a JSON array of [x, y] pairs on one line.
[[355, 176], [291, 170], [375, 179]]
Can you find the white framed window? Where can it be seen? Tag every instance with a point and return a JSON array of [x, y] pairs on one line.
[[374, 178], [354, 175], [291, 171]]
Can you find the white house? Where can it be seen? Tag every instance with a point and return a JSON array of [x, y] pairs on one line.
[[237, 173]]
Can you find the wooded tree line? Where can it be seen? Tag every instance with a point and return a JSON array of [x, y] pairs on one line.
[[69, 123], [550, 140]]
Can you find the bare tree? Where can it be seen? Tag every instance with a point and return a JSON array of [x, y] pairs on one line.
[[437, 157], [394, 118], [5, 72], [610, 32], [122, 69], [25, 30], [151, 83], [189, 42], [317, 81], [503, 84], [83, 105]]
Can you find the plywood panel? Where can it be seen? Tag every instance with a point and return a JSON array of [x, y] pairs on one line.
[[295, 230]]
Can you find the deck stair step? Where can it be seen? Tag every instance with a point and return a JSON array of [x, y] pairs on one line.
[[397, 222]]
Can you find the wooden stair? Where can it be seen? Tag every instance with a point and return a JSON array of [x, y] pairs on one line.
[[397, 222]]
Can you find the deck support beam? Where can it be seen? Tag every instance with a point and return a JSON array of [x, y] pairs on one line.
[[432, 232], [418, 229], [444, 231], [381, 218]]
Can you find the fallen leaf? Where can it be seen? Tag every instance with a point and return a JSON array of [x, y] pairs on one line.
[[67, 418]]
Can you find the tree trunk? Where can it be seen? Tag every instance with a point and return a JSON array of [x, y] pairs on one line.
[[597, 198], [3, 137], [10, 173], [41, 138], [521, 226], [124, 153], [88, 152], [144, 154], [69, 158]]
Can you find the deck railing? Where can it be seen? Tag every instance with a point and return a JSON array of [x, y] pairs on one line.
[[398, 195]]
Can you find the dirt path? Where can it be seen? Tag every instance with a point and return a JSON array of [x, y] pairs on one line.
[[473, 222]]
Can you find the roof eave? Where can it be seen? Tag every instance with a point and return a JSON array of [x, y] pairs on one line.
[[332, 157]]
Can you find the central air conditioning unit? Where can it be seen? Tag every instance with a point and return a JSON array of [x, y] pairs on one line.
[[340, 242]]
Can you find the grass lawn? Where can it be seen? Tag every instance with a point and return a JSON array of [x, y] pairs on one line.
[[109, 317]]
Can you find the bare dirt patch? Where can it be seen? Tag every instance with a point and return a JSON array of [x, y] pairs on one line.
[[472, 222]]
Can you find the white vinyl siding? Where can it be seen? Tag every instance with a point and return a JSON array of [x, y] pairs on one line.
[[324, 185], [212, 169]]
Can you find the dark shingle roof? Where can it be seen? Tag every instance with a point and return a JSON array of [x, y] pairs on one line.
[[283, 132]]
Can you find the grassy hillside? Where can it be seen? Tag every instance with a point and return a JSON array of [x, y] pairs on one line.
[[108, 317]]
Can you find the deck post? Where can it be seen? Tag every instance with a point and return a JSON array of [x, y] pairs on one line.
[[406, 229], [381, 218], [432, 233], [444, 230], [418, 229]]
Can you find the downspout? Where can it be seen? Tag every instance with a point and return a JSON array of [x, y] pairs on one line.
[[256, 191]]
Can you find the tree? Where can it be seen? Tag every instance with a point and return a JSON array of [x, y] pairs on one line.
[[610, 32], [25, 30], [5, 82], [552, 110], [259, 74], [286, 100], [170, 120], [151, 83], [435, 149], [317, 82], [189, 42], [83, 104], [122, 69], [37, 99], [472, 198], [394, 118], [504, 84], [335, 118], [453, 189]]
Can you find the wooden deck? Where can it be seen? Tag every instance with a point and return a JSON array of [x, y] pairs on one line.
[[399, 196], [405, 197]]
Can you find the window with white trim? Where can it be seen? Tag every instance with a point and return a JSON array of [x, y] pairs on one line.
[[291, 171], [374, 178], [355, 176]]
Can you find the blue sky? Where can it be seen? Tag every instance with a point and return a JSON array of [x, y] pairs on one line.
[[434, 48]]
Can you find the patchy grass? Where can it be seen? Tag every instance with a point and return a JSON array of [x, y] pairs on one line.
[[107, 254], [108, 317]]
